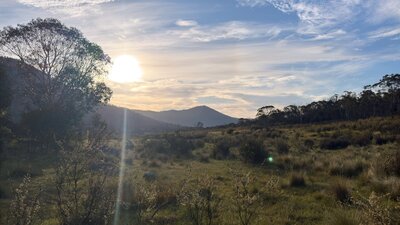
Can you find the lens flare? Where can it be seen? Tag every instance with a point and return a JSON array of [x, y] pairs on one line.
[[121, 171]]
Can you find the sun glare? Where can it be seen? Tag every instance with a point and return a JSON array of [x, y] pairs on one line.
[[125, 69]]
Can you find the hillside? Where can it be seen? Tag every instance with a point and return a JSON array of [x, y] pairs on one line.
[[190, 117], [137, 123]]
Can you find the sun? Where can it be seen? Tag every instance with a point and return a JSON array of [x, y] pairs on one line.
[[125, 69]]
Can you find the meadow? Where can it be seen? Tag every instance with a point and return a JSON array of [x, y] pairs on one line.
[[326, 173]]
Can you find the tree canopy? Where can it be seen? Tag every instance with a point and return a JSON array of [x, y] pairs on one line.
[[67, 68], [379, 99]]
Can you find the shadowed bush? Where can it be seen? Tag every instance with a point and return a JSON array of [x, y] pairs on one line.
[[282, 146], [341, 192], [252, 151], [334, 143], [297, 180]]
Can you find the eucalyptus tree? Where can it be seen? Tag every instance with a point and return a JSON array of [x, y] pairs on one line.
[[65, 68]]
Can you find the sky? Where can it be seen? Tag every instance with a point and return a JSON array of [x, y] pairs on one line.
[[233, 55]]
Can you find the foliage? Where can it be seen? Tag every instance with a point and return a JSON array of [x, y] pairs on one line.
[[221, 149], [341, 192], [149, 199], [252, 151], [201, 202], [379, 99], [66, 64], [24, 208], [82, 182], [247, 201]]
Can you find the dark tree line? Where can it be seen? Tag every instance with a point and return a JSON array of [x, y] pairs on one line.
[[379, 99]]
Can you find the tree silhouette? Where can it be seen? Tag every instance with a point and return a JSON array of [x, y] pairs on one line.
[[66, 65]]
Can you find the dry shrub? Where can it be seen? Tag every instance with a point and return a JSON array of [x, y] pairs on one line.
[[375, 210], [201, 202], [24, 208], [341, 192], [387, 164]]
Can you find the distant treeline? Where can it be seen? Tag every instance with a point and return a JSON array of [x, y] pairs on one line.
[[379, 99]]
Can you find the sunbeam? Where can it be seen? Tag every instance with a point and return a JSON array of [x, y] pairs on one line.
[[121, 171]]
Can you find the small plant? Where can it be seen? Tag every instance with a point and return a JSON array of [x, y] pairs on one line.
[[341, 192], [201, 202], [24, 208], [246, 199], [374, 210]]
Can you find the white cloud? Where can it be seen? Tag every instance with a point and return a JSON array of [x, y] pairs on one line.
[[49, 4], [385, 33], [229, 30], [384, 10], [314, 16], [70, 7], [186, 23]]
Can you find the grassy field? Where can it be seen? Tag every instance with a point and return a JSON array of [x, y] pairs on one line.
[[332, 173]]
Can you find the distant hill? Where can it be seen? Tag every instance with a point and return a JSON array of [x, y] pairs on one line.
[[137, 123], [190, 117]]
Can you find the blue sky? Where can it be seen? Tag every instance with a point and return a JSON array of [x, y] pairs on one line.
[[233, 55]]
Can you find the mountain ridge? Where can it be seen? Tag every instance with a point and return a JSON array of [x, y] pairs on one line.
[[208, 116]]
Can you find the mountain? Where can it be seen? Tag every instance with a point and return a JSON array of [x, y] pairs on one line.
[[136, 123], [190, 117]]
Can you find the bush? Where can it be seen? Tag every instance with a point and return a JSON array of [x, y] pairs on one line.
[[252, 151], [362, 139], [221, 149], [309, 143], [341, 192], [297, 180], [334, 143], [281, 146], [388, 164], [150, 176]]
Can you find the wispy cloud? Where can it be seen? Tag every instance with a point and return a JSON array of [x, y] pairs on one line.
[[71, 7], [236, 30], [393, 32], [186, 23]]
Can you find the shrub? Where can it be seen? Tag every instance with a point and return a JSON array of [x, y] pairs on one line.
[[150, 176], [341, 192], [362, 139], [252, 151], [281, 146], [309, 143], [297, 180], [221, 149], [334, 143], [24, 208], [388, 164]]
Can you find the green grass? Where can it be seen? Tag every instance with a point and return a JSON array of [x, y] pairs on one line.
[[311, 203]]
